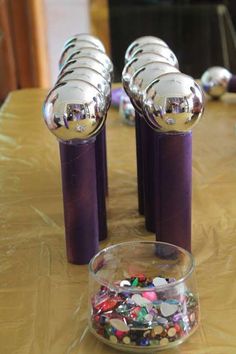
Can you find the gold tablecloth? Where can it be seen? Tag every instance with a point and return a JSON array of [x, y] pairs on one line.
[[43, 299]]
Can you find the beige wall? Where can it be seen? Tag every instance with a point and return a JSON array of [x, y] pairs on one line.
[[63, 18]]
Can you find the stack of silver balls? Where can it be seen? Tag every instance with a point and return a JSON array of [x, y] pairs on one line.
[[168, 100], [75, 108]]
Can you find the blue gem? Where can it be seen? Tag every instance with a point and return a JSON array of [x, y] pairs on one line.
[[172, 301], [102, 319], [144, 342]]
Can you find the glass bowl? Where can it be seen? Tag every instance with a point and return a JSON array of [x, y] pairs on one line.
[[142, 296]]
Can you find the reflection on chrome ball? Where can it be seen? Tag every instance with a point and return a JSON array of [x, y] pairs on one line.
[[173, 103]]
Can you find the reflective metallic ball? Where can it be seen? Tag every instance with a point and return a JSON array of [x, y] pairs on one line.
[[143, 77], [96, 54], [136, 63], [166, 52], [91, 76], [74, 111], [86, 62], [215, 81], [139, 41], [173, 103], [73, 47], [87, 37]]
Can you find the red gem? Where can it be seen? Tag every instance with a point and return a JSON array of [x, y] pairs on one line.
[[177, 327], [133, 316], [99, 302], [136, 309], [104, 288], [141, 277], [107, 305], [96, 318], [119, 334], [134, 312], [100, 331]]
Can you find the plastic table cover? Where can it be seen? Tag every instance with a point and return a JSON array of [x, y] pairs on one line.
[[43, 299]]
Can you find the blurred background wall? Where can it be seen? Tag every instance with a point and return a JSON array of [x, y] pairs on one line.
[[63, 19], [23, 45], [32, 34], [201, 33]]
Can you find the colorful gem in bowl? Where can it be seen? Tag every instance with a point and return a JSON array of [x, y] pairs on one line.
[[151, 318]]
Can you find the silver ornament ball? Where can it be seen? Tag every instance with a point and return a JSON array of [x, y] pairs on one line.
[[74, 111], [96, 54], [143, 77], [173, 103], [72, 48], [83, 61], [136, 63], [166, 52], [215, 81], [87, 37], [91, 76], [139, 41]]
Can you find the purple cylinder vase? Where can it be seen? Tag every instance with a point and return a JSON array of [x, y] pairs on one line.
[[101, 173], [79, 186], [232, 84], [139, 162], [101, 150], [173, 188], [148, 139]]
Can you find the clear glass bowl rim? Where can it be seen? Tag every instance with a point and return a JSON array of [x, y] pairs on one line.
[[127, 289]]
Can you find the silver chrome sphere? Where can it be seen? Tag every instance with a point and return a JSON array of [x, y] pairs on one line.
[[139, 41], [86, 62], [91, 76], [72, 48], [136, 63], [215, 81], [166, 52], [173, 103], [96, 54], [87, 37], [143, 77], [74, 111]]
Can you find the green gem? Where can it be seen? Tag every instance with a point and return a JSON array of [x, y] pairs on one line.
[[182, 324], [154, 342], [142, 313], [109, 330], [191, 299], [134, 282]]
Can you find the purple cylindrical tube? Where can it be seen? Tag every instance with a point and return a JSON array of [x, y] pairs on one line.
[[101, 148], [101, 172], [148, 138], [79, 186], [232, 84], [139, 162], [173, 189]]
